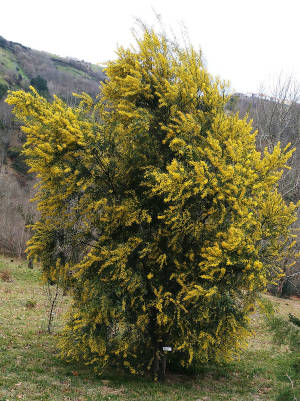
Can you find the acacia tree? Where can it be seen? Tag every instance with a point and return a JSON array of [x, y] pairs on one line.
[[156, 211]]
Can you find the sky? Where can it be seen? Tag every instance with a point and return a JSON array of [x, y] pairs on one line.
[[248, 43]]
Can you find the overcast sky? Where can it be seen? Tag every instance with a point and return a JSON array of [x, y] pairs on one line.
[[245, 42]]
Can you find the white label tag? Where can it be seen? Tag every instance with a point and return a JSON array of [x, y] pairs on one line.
[[167, 348]]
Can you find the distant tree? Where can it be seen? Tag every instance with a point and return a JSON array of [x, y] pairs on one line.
[[156, 209], [7, 125], [3, 90], [17, 159], [40, 84]]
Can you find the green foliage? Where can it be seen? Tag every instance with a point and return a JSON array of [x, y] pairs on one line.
[[232, 103], [8, 59], [293, 319], [18, 159], [156, 211], [40, 84], [3, 90], [286, 394], [285, 333]]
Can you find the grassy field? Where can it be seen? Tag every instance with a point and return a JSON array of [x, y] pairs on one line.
[[30, 367]]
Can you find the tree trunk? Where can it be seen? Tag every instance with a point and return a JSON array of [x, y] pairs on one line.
[[163, 366], [30, 263], [159, 364]]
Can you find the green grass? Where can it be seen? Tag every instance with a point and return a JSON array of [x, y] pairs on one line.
[[30, 367], [72, 71], [8, 62], [7, 59]]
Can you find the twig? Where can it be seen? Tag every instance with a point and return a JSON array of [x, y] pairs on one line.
[[52, 306], [292, 385]]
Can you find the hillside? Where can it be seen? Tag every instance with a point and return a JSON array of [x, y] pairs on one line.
[[20, 67]]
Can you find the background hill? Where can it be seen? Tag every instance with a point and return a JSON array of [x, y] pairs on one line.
[[20, 67]]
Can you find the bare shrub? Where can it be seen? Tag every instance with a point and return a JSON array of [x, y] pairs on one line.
[[16, 213]]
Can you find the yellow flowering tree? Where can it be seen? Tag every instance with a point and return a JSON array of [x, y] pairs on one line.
[[157, 212]]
